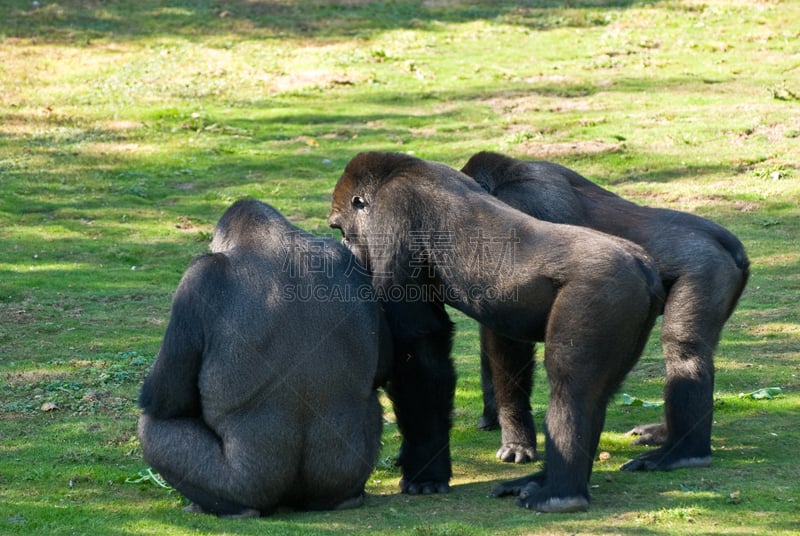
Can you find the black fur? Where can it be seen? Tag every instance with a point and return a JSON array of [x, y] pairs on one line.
[[592, 298], [703, 267], [259, 398]]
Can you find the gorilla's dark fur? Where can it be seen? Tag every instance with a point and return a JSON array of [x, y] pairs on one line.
[[432, 236], [703, 268], [259, 399]]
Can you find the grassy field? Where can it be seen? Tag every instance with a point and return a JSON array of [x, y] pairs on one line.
[[126, 129]]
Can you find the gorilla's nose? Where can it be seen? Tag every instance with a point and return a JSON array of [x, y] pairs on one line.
[[333, 221]]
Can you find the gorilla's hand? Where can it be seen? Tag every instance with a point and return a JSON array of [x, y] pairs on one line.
[[515, 487], [665, 459], [423, 488], [540, 499]]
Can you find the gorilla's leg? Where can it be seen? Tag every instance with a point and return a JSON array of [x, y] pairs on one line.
[[204, 503], [691, 329], [586, 358], [191, 458], [422, 387], [523, 486], [582, 379], [339, 453], [511, 364], [488, 420], [563, 486]]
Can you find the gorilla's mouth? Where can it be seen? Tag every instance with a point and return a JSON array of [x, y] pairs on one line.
[[346, 242], [358, 250]]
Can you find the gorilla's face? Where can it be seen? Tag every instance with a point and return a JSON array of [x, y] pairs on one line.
[[367, 177], [349, 210]]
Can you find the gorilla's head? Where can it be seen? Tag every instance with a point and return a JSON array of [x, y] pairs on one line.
[[355, 196], [487, 167], [381, 198]]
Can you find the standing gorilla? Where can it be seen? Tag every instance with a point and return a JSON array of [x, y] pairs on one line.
[[703, 268], [258, 398], [431, 236]]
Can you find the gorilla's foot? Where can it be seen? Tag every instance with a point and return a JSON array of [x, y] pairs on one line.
[[515, 487], [488, 422], [194, 508], [246, 513], [423, 488], [517, 453], [352, 502], [649, 434], [665, 459], [535, 497]]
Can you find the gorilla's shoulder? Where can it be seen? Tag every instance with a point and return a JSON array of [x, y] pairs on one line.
[[207, 268]]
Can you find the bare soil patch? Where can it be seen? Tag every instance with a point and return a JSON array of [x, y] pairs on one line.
[[542, 150]]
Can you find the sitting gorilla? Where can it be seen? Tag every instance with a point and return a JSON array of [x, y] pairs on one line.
[[260, 397], [703, 268], [431, 236]]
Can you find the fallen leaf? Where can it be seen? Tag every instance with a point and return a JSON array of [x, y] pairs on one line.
[[767, 393], [630, 400]]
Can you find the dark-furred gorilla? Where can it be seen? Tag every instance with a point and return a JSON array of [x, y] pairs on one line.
[[703, 268], [431, 236], [263, 393]]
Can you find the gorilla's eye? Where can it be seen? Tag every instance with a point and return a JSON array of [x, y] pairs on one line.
[[358, 202]]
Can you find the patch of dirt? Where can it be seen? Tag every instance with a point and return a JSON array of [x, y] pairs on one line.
[[101, 148], [16, 314], [691, 202], [185, 224], [536, 103], [544, 151], [424, 132], [774, 133], [557, 94], [120, 125], [31, 377], [306, 79], [442, 3], [746, 206]]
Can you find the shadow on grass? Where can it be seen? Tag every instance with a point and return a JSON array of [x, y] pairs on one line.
[[74, 21]]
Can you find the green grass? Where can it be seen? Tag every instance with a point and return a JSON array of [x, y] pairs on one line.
[[126, 129]]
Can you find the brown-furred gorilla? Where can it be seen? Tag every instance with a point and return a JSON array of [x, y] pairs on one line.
[[263, 393], [431, 236], [703, 268]]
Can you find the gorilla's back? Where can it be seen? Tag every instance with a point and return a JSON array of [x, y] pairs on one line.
[[294, 315]]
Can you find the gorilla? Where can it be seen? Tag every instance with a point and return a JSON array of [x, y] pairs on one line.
[[431, 236], [264, 394], [703, 269]]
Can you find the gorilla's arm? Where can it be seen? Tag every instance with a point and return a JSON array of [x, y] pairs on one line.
[[385, 353], [421, 384], [170, 389], [421, 388]]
